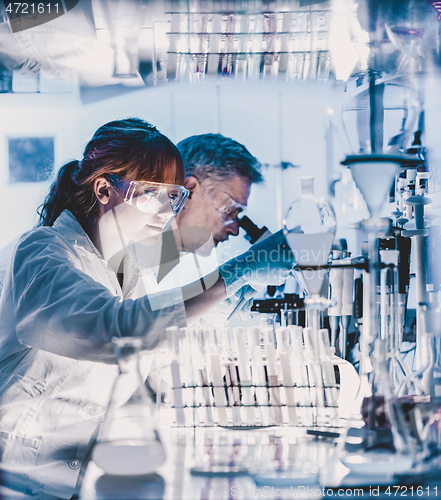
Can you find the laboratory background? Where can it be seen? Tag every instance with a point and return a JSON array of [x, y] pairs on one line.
[[329, 384]]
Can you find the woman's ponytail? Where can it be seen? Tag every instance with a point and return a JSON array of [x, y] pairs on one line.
[[126, 148], [61, 194]]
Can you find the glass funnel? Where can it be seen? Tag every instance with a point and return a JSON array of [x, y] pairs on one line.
[[128, 443]]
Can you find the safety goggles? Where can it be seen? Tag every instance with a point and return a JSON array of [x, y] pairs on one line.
[[150, 197], [227, 208]]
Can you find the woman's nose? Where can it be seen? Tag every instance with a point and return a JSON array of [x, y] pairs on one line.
[[166, 210]]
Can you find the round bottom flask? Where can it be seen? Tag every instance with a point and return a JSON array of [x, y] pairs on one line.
[[128, 443]]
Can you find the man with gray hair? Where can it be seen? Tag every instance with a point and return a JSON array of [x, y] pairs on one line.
[[219, 173]]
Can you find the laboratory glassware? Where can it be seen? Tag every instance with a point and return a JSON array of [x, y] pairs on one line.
[[372, 435], [217, 377], [284, 348], [244, 365], [341, 283], [418, 403], [309, 227], [128, 443]]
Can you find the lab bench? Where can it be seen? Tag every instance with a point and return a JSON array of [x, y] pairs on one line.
[[214, 463]]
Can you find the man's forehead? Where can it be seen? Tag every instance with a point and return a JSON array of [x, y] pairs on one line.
[[238, 188]]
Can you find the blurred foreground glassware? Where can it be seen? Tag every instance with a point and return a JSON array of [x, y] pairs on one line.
[[128, 443], [418, 405], [223, 453], [284, 462]]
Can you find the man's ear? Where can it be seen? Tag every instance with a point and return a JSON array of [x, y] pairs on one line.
[[102, 190], [192, 184]]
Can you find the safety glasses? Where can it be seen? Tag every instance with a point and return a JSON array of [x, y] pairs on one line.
[[150, 197], [227, 208]]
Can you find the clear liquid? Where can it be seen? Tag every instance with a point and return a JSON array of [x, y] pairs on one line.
[[129, 458]]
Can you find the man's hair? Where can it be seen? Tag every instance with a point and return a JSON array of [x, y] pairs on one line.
[[213, 157]]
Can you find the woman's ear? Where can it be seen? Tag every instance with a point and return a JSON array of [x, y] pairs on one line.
[[102, 190], [192, 184]]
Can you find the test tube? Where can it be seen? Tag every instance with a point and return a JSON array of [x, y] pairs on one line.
[[178, 403], [241, 58], [328, 374], [173, 47], [244, 374], [284, 41], [384, 305], [301, 375], [215, 39], [256, 56], [227, 58], [336, 290], [270, 62], [231, 378], [283, 346], [203, 374], [218, 383], [202, 44], [259, 379], [314, 373], [191, 355], [273, 383], [347, 303]]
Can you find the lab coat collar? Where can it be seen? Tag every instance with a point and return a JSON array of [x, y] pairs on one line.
[[68, 225]]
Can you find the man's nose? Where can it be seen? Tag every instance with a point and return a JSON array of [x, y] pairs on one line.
[[233, 228]]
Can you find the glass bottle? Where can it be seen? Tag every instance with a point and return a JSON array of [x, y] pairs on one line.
[[128, 443]]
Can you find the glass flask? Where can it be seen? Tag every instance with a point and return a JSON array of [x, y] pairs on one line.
[[128, 443], [418, 403], [377, 115], [309, 227]]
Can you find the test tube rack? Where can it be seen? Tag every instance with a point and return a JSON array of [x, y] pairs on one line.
[[219, 379], [244, 43]]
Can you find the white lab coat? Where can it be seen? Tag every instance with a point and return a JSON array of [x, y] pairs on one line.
[[61, 304]]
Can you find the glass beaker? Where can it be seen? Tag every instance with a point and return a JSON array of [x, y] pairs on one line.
[[418, 405], [128, 443]]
